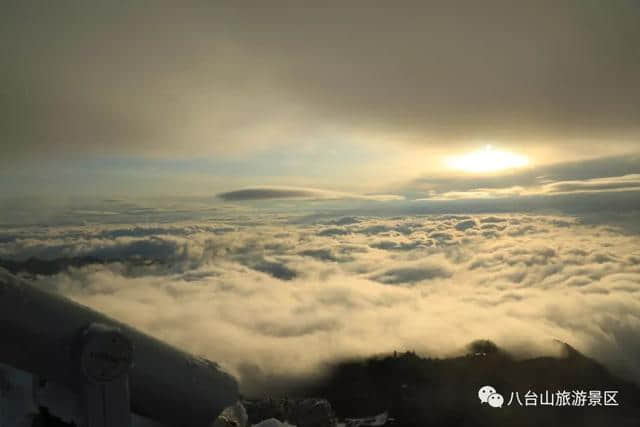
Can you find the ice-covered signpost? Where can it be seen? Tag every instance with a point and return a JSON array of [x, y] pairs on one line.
[[108, 365], [105, 356]]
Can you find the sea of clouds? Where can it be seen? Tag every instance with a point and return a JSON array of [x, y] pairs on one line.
[[282, 295]]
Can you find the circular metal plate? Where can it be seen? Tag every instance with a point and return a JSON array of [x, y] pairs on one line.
[[106, 354]]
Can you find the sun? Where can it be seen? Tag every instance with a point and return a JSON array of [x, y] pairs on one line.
[[485, 160]]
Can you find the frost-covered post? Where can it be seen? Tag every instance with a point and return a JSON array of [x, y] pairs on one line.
[[105, 356], [48, 336]]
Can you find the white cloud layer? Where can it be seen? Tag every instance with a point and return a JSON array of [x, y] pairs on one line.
[[267, 295]]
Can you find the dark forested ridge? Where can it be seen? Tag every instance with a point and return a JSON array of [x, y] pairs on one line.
[[422, 392]]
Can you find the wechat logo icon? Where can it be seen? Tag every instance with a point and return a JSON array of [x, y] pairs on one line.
[[488, 394]]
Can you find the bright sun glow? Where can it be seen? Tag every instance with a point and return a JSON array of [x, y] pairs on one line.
[[486, 160]]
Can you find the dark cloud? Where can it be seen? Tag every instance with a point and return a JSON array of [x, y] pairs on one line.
[[610, 168], [267, 193], [465, 225], [441, 236], [322, 254], [275, 269], [412, 275], [614, 183], [493, 219], [578, 203], [333, 232], [393, 245], [347, 220], [375, 229], [223, 76], [462, 69]]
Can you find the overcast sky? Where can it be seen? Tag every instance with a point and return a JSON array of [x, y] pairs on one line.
[[146, 98]]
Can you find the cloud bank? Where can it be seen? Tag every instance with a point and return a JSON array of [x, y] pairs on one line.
[[270, 295]]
